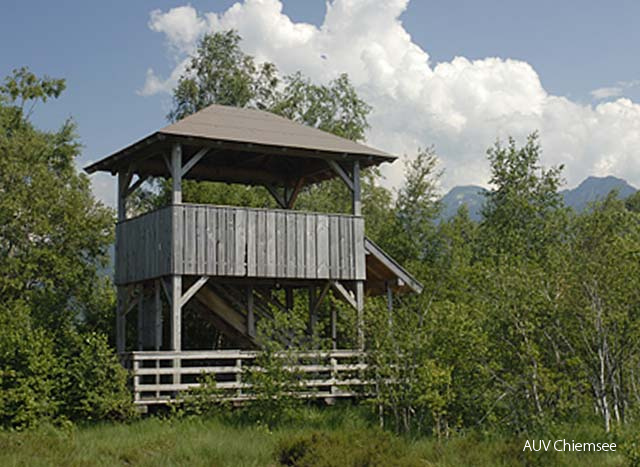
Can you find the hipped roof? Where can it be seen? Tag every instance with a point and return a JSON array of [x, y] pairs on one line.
[[246, 146]]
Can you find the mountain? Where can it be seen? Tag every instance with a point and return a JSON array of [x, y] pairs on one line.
[[591, 189], [594, 189], [471, 195]]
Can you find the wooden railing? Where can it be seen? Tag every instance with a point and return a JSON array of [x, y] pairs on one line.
[[190, 239], [163, 376]]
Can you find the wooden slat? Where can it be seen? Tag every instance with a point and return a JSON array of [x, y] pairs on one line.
[[223, 241], [334, 247], [271, 233], [300, 246], [240, 236], [358, 253], [290, 246], [252, 233], [310, 247], [281, 241], [322, 247]]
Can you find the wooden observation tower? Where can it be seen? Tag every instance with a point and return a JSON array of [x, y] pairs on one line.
[[228, 260]]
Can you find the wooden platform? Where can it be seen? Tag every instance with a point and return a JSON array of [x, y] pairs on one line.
[[161, 377], [222, 241]]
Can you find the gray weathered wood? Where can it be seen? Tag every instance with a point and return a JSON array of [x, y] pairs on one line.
[[242, 242]]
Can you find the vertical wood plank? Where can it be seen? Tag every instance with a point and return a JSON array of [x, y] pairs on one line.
[[211, 241], [271, 248], [334, 247], [310, 247], [300, 245], [222, 240], [290, 246], [240, 235], [281, 240], [261, 253], [322, 247], [359, 255], [252, 234]]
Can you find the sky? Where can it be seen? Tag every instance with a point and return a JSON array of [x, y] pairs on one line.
[[454, 74]]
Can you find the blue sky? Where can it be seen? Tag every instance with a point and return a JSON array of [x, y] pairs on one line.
[[104, 50]]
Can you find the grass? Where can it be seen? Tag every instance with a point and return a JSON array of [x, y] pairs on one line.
[[339, 436]]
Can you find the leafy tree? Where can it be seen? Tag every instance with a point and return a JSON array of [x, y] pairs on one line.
[[53, 234], [525, 197], [53, 238]]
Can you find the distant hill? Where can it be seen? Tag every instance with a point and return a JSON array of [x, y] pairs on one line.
[[594, 189], [591, 189], [471, 195]]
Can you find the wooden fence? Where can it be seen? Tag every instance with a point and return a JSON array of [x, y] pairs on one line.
[[190, 239], [163, 376]]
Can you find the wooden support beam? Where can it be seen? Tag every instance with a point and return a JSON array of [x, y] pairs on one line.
[[157, 325], [123, 182], [338, 287], [194, 160], [313, 304], [197, 285], [141, 323], [165, 288], [136, 184], [167, 162], [251, 319], [176, 313], [334, 328], [280, 199], [360, 313], [176, 173], [291, 199], [337, 168], [357, 202]]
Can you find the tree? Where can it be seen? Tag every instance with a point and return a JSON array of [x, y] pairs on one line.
[[53, 238], [519, 209]]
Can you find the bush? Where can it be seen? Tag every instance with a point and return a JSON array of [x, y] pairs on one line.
[[94, 384], [27, 371], [73, 377]]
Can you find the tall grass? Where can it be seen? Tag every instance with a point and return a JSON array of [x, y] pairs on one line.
[[336, 436]]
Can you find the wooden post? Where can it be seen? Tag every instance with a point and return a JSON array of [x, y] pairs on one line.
[[357, 211], [176, 173], [157, 325], [357, 202], [313, 314], [334, 328], [176, 279], [360, 313], [141, 319], [251, 320], [121, 322]]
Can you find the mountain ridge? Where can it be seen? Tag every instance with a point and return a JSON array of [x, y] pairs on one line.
[[591, 189]]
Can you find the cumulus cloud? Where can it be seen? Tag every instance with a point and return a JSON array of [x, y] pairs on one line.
[[460, 106]]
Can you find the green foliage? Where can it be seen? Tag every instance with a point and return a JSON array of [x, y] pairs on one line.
[[323, 449], [203, 400], [27, 370], [272, 378], [53, 238]]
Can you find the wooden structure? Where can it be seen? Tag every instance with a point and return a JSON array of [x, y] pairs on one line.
[[228, 260]]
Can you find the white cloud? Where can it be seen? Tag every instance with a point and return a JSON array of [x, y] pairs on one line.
[[606, 92], [460, 106]]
